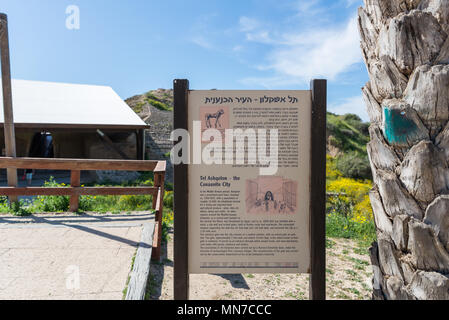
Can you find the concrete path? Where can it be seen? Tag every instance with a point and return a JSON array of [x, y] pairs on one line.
[[67, 256]]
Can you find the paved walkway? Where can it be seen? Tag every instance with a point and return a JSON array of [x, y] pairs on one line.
[[67, 256]]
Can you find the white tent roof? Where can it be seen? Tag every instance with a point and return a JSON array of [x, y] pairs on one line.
[[50, 103]]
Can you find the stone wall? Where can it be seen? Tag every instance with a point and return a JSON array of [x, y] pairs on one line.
[[157, 139]]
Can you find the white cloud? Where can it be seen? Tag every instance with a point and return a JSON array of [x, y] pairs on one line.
[[297, 58], [201, 32], [309, 7], [248, 24], [202, 42], [255, 31], [261, 37], [354, 105]]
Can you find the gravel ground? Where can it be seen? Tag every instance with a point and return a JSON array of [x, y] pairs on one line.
[[348, 270]]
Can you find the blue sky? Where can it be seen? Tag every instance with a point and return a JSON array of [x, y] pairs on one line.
[[138, 45]]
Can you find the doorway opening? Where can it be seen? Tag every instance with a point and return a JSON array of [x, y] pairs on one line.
[[41, 145]]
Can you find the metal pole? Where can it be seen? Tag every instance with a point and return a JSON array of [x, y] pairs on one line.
[[10, 139]]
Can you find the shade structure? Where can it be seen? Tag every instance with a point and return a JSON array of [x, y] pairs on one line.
[[39, 104]]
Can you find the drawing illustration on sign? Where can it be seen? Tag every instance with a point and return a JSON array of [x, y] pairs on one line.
[[214, 118], [271, 195]]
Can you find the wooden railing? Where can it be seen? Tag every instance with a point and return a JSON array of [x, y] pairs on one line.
[[75, 166]]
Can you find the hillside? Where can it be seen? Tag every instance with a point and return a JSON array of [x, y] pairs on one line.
[[153, 106], [347, 135], [156, 109]]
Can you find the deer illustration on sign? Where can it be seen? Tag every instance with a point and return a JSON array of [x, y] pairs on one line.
[[215, 116]]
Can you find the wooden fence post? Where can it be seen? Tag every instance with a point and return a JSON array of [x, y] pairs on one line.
[[75, 177], [157, 240], [10, 139]]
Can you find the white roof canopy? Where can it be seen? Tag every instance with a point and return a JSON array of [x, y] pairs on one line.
[[50, 104]]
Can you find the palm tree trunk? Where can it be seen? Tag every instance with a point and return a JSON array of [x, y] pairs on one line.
[[405, 45]]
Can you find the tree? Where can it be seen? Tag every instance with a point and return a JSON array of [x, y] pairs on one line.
[[405, 45]]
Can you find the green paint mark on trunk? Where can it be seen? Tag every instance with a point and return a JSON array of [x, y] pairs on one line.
[[398, 129]]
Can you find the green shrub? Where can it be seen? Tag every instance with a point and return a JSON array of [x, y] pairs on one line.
[[354, 165], [100, 204], [348, 132], [116, 204], [20, 208], [168, 199], [152, 96], [4, 205], [348, 208], [159, 105], [168, 186], [339, 226], [167, 223], [52, 203], [362, 127], [351, 117], [135, 203], [138, 108]]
